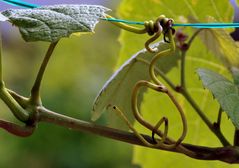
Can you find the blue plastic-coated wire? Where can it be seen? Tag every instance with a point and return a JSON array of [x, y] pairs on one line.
[[194, 25], [123, 21], [20, 3], [208, 25]]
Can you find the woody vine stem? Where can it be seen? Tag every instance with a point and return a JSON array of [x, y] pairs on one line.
[[31, 112]]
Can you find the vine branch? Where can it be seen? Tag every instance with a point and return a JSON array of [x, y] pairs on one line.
[[228, 154]]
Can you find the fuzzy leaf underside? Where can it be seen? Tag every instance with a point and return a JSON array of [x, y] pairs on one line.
[[225, 92], [51, 23], [117, 90]]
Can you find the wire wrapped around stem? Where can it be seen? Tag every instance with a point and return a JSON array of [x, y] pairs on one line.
[[153, 28]]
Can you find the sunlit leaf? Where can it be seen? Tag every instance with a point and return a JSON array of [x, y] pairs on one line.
[[225, 91], [50, 23], [156, 105], [222, 45], [117, 90]]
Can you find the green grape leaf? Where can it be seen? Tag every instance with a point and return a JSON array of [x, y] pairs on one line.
[[225, 91], [155, 105], [222, 45], [117, 90], [51, 23]]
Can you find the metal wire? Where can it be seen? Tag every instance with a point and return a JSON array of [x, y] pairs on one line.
[[20, 3], [194, 25]]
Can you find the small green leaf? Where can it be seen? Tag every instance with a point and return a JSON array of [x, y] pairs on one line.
[[225, 91], [50, 23], [117, 90]]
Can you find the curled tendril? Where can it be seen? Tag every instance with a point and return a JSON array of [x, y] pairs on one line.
[[163, 26], [158, 55], [155, 129], [163, 143], [155, 29]]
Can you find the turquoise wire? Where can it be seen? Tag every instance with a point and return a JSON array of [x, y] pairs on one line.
[[208, 25], [194, 25], [20, 3], [123, 21]]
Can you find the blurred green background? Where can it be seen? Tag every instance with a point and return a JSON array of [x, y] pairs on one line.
[[78, 69]]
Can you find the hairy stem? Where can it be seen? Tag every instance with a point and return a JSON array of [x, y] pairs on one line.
[[35, 92]]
